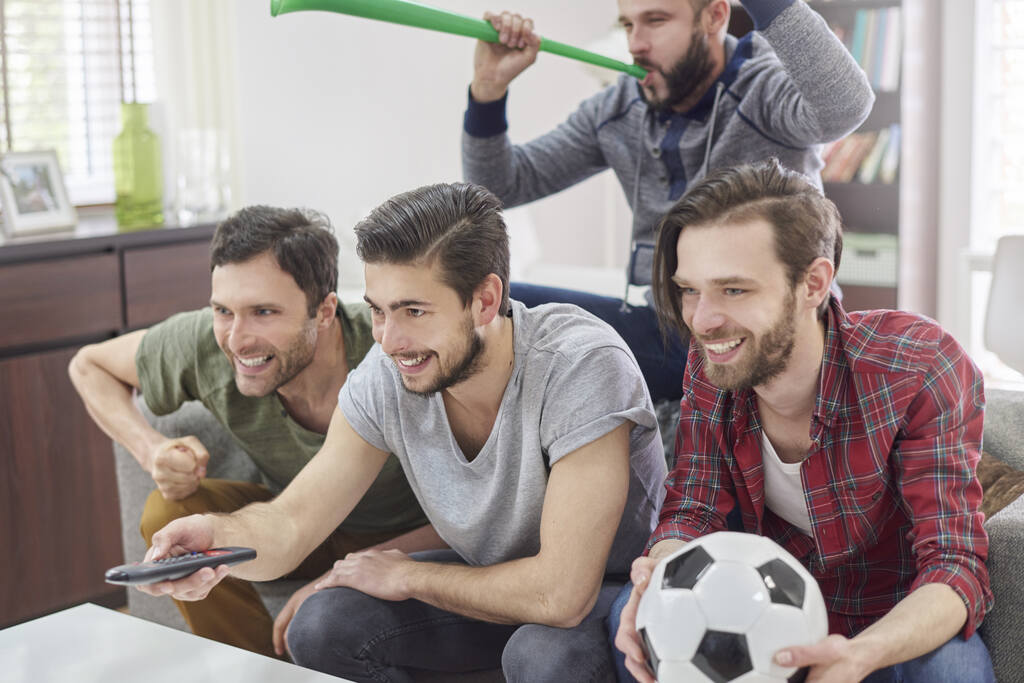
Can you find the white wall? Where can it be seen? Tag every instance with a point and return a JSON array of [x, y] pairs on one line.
[[338, 113]]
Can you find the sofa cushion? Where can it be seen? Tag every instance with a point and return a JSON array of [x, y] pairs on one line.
[[1001, 483]]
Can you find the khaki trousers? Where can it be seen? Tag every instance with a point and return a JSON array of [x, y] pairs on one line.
[[233, 612]]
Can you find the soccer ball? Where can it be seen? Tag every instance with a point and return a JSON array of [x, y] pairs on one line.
[[720, 607]]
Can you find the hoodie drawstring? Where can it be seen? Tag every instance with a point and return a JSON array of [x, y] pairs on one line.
[[719, 88], [624, 308]]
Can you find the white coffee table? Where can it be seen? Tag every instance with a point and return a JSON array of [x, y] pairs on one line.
[[90, 643]]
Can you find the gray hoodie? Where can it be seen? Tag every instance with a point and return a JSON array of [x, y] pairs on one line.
[[787, 88]]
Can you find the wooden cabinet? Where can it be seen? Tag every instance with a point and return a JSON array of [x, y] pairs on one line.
[[60, 298], [158, 281], [60, 523]]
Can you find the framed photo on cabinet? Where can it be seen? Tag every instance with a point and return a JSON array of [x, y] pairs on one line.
[[32, 193]]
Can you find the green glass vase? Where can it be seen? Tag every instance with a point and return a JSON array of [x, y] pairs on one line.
[[138, 173]]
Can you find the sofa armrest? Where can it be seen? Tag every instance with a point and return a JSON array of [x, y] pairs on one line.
[[1002, 626], [1004, 426]]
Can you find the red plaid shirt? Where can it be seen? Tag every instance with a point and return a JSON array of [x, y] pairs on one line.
[[889, 482]]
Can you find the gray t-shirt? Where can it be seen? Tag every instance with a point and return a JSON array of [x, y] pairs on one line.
[[573, 381]]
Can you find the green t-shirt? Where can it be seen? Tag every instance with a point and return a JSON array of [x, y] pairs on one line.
[[178, 360]]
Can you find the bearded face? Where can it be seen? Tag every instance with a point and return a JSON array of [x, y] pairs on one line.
[[454, 365], [763, 356], [681, 80]]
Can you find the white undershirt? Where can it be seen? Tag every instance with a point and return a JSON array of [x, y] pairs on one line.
[[783, 490]]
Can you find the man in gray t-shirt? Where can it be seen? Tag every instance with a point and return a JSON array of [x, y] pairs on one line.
[[573, 380], [527, 435]]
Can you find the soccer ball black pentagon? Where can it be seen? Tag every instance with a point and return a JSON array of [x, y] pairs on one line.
[[719, 608]]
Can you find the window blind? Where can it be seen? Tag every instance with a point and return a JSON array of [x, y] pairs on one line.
[[65, 67]]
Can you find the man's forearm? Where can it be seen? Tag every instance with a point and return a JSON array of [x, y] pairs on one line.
[[285, 530], [918, 624], [519, 174], [110, 404], [516, 592], [280, 545]]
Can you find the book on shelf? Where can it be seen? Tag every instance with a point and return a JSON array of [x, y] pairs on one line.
[[866, 157], [856, 44], [868, 169], [868, 52], [889, 78], [890, 164], [843, 158], [875, 40]]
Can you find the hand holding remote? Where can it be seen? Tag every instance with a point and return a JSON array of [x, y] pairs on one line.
[[194, 533]]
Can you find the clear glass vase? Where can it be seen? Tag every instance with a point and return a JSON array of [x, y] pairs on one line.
[[138, 172]]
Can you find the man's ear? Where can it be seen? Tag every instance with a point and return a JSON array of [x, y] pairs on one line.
[[818, 281], [487, 299], [715, 17], [326, 311]]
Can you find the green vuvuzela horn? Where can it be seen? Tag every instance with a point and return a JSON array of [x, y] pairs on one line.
[[422, 16]]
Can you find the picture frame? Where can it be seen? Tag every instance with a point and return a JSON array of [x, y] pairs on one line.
[[33, 198]]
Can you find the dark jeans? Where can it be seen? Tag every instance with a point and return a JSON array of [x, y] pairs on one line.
[[346, 633], [958, 661], [661, 366]]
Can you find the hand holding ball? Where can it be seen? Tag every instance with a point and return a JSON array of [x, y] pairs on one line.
[[719, 608]]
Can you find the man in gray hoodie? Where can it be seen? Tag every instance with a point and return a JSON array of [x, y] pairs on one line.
[[709, 101]]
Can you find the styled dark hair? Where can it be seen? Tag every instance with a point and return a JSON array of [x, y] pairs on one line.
[[301, 241], [456, 225], [805, 222]]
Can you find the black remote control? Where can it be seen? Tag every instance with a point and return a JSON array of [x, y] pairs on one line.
[[170, 568]]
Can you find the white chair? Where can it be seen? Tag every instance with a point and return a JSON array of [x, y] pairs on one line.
[[1004, 318]]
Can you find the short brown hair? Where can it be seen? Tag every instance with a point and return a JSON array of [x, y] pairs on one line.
[[457, 225], [806, 225], [302, 242]]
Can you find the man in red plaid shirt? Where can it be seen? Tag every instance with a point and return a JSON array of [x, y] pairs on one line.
[[849, 439]]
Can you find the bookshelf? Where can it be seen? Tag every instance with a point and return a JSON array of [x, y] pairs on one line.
[[862, 173]]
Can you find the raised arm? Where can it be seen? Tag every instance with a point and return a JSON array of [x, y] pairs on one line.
[[558, 586], [519, 174], [827, 94]]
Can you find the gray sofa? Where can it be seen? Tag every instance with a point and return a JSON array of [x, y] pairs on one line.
[[1003, 628], [1004, 438]]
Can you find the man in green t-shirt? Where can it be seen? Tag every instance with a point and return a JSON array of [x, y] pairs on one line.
[[267, 359]]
